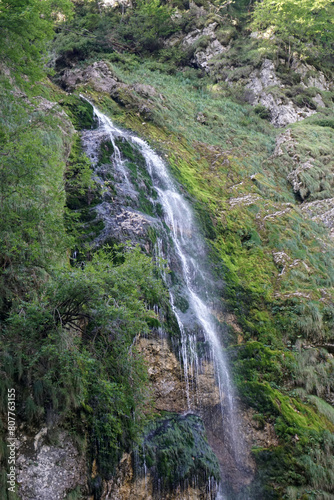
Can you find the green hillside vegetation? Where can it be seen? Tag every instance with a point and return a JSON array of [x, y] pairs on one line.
[[67, 330]]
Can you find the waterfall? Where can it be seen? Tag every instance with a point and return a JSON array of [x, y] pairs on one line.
[[198, 285]]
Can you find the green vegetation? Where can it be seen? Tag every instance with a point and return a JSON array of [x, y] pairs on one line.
[[33, 146], [70, 350], [276, 299], [175, 452], [138, 30], [304, 25], [26, 27]]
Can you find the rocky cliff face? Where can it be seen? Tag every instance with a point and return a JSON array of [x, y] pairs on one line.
[[261, 83]]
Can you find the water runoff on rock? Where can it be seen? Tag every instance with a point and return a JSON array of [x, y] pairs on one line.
[[195, 319]]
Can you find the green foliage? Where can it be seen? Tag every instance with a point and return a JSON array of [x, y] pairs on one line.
[[26, 26], [70, 349], [257, 362], [303, 24], [139, 29], [33, 148], [175, 450]]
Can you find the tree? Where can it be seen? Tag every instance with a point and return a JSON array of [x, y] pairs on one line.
[[303, 25], [26, 26]]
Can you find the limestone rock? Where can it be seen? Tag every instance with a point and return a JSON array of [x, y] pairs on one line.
[[165, 375], [285, 143], [47, 471], [167, 379], [125, 486], [98, 75], [322, 211], [263, 78], [282, 111]]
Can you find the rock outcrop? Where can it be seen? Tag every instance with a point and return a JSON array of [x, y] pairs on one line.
[[127, 486], [282, 110], [100, 77], [48, 471]]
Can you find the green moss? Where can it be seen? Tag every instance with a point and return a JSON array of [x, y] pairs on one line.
[[181, 303], [80, 112], [106, 151], [175, 450]]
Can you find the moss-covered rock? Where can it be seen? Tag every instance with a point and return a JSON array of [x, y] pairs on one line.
[[80, 111], [175, 451]]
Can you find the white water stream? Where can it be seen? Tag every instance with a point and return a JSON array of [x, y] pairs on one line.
[[190, 248]]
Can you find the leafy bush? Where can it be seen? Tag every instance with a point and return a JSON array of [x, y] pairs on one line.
[[77, 355], [262, 111]]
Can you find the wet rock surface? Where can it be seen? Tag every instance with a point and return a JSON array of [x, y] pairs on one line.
[[262, 83], [306, 173], [262, 87], [127, 486]]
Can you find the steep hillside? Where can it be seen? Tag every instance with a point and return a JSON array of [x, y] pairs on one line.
[[240, 107]]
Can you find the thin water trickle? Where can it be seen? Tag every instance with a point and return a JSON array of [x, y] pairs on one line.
[[190, 249]]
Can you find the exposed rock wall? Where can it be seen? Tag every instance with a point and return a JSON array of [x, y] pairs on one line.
[[282, 111], [48, 471], [126, 486]]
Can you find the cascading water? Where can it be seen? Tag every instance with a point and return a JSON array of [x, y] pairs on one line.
[[198, 285]]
